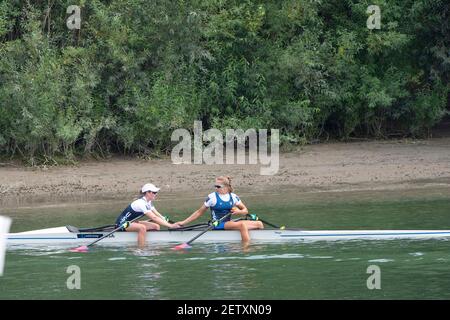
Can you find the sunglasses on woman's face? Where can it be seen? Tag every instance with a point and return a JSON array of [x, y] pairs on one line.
[[218, 186], [154, 192]]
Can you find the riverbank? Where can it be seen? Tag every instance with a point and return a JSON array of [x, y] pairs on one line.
[[367, 165]]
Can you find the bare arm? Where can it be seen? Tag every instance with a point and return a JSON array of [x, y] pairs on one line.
[[194, 216], [242, 209], [156, 217], [158, 214]]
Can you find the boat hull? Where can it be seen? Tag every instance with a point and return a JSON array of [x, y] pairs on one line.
[[62, 235]]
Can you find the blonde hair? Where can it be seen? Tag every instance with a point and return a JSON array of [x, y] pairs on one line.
[[226, 180]]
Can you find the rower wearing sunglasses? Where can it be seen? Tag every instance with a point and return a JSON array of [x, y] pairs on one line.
[[222, 202], [141, 206]]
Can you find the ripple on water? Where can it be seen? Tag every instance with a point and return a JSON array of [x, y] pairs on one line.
[[263, 257], [48, 251], [416, 254], [381, 260]]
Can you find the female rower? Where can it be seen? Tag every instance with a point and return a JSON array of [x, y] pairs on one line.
[[222, 202], [141, 206]]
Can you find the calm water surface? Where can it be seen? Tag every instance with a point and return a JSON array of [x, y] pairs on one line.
[[418, 269]]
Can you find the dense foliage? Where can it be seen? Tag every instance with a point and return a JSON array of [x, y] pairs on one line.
[[138, 69]]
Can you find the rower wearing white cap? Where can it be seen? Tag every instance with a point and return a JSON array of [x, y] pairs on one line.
[[145, 206]]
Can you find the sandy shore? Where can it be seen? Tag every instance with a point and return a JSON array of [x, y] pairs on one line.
[[375, 165]]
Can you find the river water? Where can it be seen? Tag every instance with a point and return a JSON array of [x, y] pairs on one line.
[[414, 269]]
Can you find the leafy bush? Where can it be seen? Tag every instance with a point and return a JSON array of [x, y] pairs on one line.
[[138, 69]]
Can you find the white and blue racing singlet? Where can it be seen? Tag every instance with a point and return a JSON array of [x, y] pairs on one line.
[[135, 209], [220, 205]]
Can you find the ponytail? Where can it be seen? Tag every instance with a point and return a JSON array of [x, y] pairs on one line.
[[139, 195], [226, 180]]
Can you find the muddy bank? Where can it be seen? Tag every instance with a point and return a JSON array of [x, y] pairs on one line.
[[375, 165]]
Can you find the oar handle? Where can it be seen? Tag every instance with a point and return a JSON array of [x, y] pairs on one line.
[[266, 222], [169, 221], [270, 224]]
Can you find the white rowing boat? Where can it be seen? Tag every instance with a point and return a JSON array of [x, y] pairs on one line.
[[72, 235]]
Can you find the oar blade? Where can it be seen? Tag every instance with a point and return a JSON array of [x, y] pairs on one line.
[[182, 246], [80, 249]]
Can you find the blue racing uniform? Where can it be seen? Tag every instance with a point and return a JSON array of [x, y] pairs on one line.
[[220, 207]]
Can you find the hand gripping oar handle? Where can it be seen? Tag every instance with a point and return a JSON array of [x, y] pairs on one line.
[[186, 244]]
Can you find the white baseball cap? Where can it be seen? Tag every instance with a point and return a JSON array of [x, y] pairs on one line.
[[149, 187]]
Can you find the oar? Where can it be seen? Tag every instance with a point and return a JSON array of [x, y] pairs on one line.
[[186, 245], [269, 224], [164, 218], [86, 248]]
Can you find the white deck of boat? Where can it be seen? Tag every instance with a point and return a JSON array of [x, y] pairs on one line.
[[61, 235], [45, 231]]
